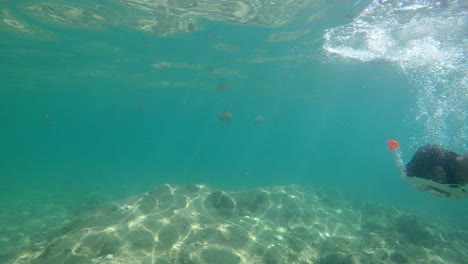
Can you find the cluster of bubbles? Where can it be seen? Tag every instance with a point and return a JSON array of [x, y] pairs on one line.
[[426, 39]]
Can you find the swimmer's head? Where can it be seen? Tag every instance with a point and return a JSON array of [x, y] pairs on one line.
[[462, 163], [462, 168], [464, 158], [439, 174]]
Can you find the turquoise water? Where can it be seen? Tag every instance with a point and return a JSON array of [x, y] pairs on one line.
[[94, 114]]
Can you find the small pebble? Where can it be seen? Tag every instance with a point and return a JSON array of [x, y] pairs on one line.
[[109, 257], [279, 238]]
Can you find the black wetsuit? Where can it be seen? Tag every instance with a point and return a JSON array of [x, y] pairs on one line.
[[427, 157]]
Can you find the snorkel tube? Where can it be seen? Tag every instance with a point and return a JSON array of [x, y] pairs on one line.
[[394, 148]]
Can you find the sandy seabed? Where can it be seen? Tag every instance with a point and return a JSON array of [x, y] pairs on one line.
[[198, 224]]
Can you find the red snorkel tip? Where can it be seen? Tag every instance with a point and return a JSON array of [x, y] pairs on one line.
[[392, 144]]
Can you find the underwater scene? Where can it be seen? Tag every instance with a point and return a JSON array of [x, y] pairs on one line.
[[233, 131]]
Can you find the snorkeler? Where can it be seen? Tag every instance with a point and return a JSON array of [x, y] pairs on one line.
[[441, 165], [435, 170]]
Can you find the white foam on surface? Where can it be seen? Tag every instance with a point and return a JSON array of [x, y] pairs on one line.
[[427, 40]]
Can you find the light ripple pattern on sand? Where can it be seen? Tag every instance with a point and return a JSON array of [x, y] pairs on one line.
[[289, 224]]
